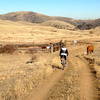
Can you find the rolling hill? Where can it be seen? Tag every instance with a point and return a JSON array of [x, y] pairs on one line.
[[25, 16], [34, 17], [30, 17], [59, 24]]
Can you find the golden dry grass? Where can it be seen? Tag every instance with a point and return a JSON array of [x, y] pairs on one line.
[[17, 78], [22, 32], [59, 24]]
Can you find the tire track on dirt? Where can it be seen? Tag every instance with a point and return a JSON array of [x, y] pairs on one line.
[[80, 86], [41, 91], [87, 81], [74, 83], [68, 87]]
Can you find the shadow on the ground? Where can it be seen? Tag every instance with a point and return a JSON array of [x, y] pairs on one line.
[[56, 67]]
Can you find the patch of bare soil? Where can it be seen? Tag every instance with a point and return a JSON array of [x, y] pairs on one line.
[[77, 83], [87, 82], [68, 86], [94, 64], [40, 93], [87, 88]]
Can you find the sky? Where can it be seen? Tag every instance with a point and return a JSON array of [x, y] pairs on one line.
[[78, 9]]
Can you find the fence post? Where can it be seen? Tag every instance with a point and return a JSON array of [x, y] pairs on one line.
[[51, 49], [60, 43]]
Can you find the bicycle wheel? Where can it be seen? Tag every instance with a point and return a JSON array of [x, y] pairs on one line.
[[63, 62]]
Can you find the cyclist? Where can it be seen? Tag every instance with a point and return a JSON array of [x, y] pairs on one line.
[[64, 53]]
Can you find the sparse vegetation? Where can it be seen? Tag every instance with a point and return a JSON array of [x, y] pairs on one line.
[[59, 24], [91, 32], [8, 49], [21, 72], [17, 82]]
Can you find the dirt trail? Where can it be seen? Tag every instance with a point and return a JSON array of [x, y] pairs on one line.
[[87, 87], [74, 83], [84, 89], [40, 93]]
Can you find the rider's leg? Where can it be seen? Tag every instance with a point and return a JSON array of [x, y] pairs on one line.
[[61, 56], [65, 59]]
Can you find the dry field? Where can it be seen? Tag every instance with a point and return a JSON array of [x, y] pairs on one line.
[[24, 76], [23, 32]]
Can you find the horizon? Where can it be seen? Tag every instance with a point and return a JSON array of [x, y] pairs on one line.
[[76, 9]]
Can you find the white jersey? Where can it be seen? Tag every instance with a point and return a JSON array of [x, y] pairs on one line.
[[64, 54], [64, 51]]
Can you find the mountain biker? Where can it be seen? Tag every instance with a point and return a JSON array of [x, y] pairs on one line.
[[63, 52]]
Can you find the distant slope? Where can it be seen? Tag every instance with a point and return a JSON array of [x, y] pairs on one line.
[[87, 24], [32, 17], [59, 24], [25, 16], [95, 31], [39, 18]]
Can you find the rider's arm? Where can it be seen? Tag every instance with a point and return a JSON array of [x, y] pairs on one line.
[[67, 52]]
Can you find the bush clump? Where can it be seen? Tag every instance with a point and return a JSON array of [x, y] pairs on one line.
[[8, 49]]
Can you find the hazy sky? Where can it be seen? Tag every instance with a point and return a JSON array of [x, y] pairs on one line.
[[80, 9]]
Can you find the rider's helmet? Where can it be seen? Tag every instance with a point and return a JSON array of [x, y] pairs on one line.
[[63, 45]]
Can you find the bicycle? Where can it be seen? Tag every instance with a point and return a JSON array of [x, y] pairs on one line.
[[63, 62]]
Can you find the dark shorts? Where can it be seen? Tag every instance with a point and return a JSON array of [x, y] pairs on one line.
[[63, 56]]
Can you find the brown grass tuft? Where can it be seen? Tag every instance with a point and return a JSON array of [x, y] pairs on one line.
[[8, 49]]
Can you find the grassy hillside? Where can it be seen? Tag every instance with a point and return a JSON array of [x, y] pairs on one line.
[[32, 17], [39, 18], [25, 16], [23, 32], [59, 24]]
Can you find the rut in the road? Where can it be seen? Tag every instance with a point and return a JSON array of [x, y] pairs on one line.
[[68, 87], [87, 82], [41, 92], [77, 83]]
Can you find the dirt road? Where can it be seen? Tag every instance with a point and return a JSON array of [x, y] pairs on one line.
[[76, 82], [87, 82], [43, 89]]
